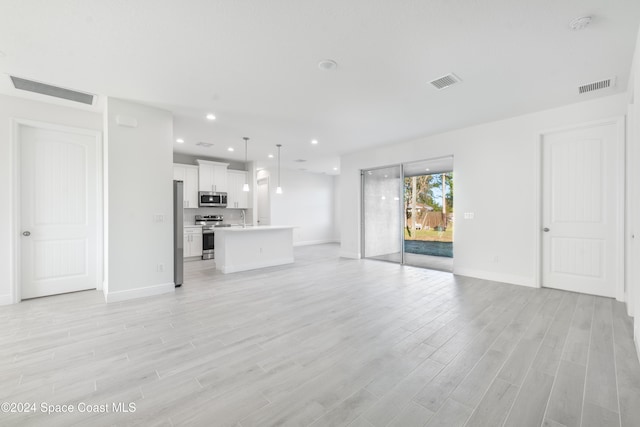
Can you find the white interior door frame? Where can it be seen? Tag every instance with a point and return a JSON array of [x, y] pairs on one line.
[[16, 125], [619, 177]]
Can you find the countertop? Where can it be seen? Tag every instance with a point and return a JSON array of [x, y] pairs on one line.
[[239, 228]]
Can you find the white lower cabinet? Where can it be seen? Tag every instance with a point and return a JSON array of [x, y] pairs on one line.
[[192, 241]]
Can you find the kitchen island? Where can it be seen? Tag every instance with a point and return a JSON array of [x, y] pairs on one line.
[[252, 247]]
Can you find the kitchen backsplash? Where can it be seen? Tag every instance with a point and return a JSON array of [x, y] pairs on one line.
[[231, 216]]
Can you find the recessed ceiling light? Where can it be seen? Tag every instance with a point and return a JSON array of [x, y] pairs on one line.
[[314, 141], [230, 149], [580, 23], [211, 117], [327, 64], [335, 168], [180, 141], [259, 169], [427, 169], [270, 156]]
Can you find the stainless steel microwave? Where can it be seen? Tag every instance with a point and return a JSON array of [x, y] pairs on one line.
[[212, 199]]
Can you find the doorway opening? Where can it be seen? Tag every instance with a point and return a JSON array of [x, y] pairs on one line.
[[428, 214], [407, 213]]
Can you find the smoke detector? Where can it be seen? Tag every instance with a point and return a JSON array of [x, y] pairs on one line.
[[580, 23], [327, 64]]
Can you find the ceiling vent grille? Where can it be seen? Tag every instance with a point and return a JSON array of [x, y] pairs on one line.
[[204, 144], [602, 84], [55, 91], [300, 160], [446, 81]]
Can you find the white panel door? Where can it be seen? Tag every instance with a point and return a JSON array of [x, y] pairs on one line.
[[580, 237], [59, 243]]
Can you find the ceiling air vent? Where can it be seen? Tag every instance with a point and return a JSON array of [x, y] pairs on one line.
[[300, 160], [204, 144], [602, 84], [446, 81], [55, 91]]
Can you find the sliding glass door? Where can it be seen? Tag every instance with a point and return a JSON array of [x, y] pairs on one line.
[[428, 197], [382, 207], [407, 213]]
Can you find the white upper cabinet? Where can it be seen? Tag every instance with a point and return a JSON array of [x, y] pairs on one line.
[[189, 175], [236, 198], [212, 176]]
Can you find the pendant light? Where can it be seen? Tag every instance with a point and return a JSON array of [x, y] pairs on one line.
[[245, 187], [278, 189]]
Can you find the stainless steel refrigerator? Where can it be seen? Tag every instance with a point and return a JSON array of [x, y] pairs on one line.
[[178, 232]]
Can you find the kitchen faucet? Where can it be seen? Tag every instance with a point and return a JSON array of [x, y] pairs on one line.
[[244, 218]]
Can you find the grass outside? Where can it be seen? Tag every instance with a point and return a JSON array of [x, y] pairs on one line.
[[431, 235]]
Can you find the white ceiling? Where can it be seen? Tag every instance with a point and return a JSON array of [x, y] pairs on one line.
[[254, 64]]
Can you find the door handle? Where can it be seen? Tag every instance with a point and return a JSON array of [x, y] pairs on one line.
[[546, 229], [26, 233]]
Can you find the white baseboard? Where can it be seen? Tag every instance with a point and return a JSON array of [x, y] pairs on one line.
[[148, 291], [6, 299], [314, 242], [256, 265], [511, 279], [349, 254]]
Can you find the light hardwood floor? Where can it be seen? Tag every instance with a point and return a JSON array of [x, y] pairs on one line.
[[325, 342]]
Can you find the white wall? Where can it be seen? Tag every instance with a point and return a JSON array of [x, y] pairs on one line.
[[336, 208], [306, 202], [495, 173], [139, 175], [633, 193], [11, 108]]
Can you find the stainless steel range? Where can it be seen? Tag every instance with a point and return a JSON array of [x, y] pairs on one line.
[[209, 222]]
